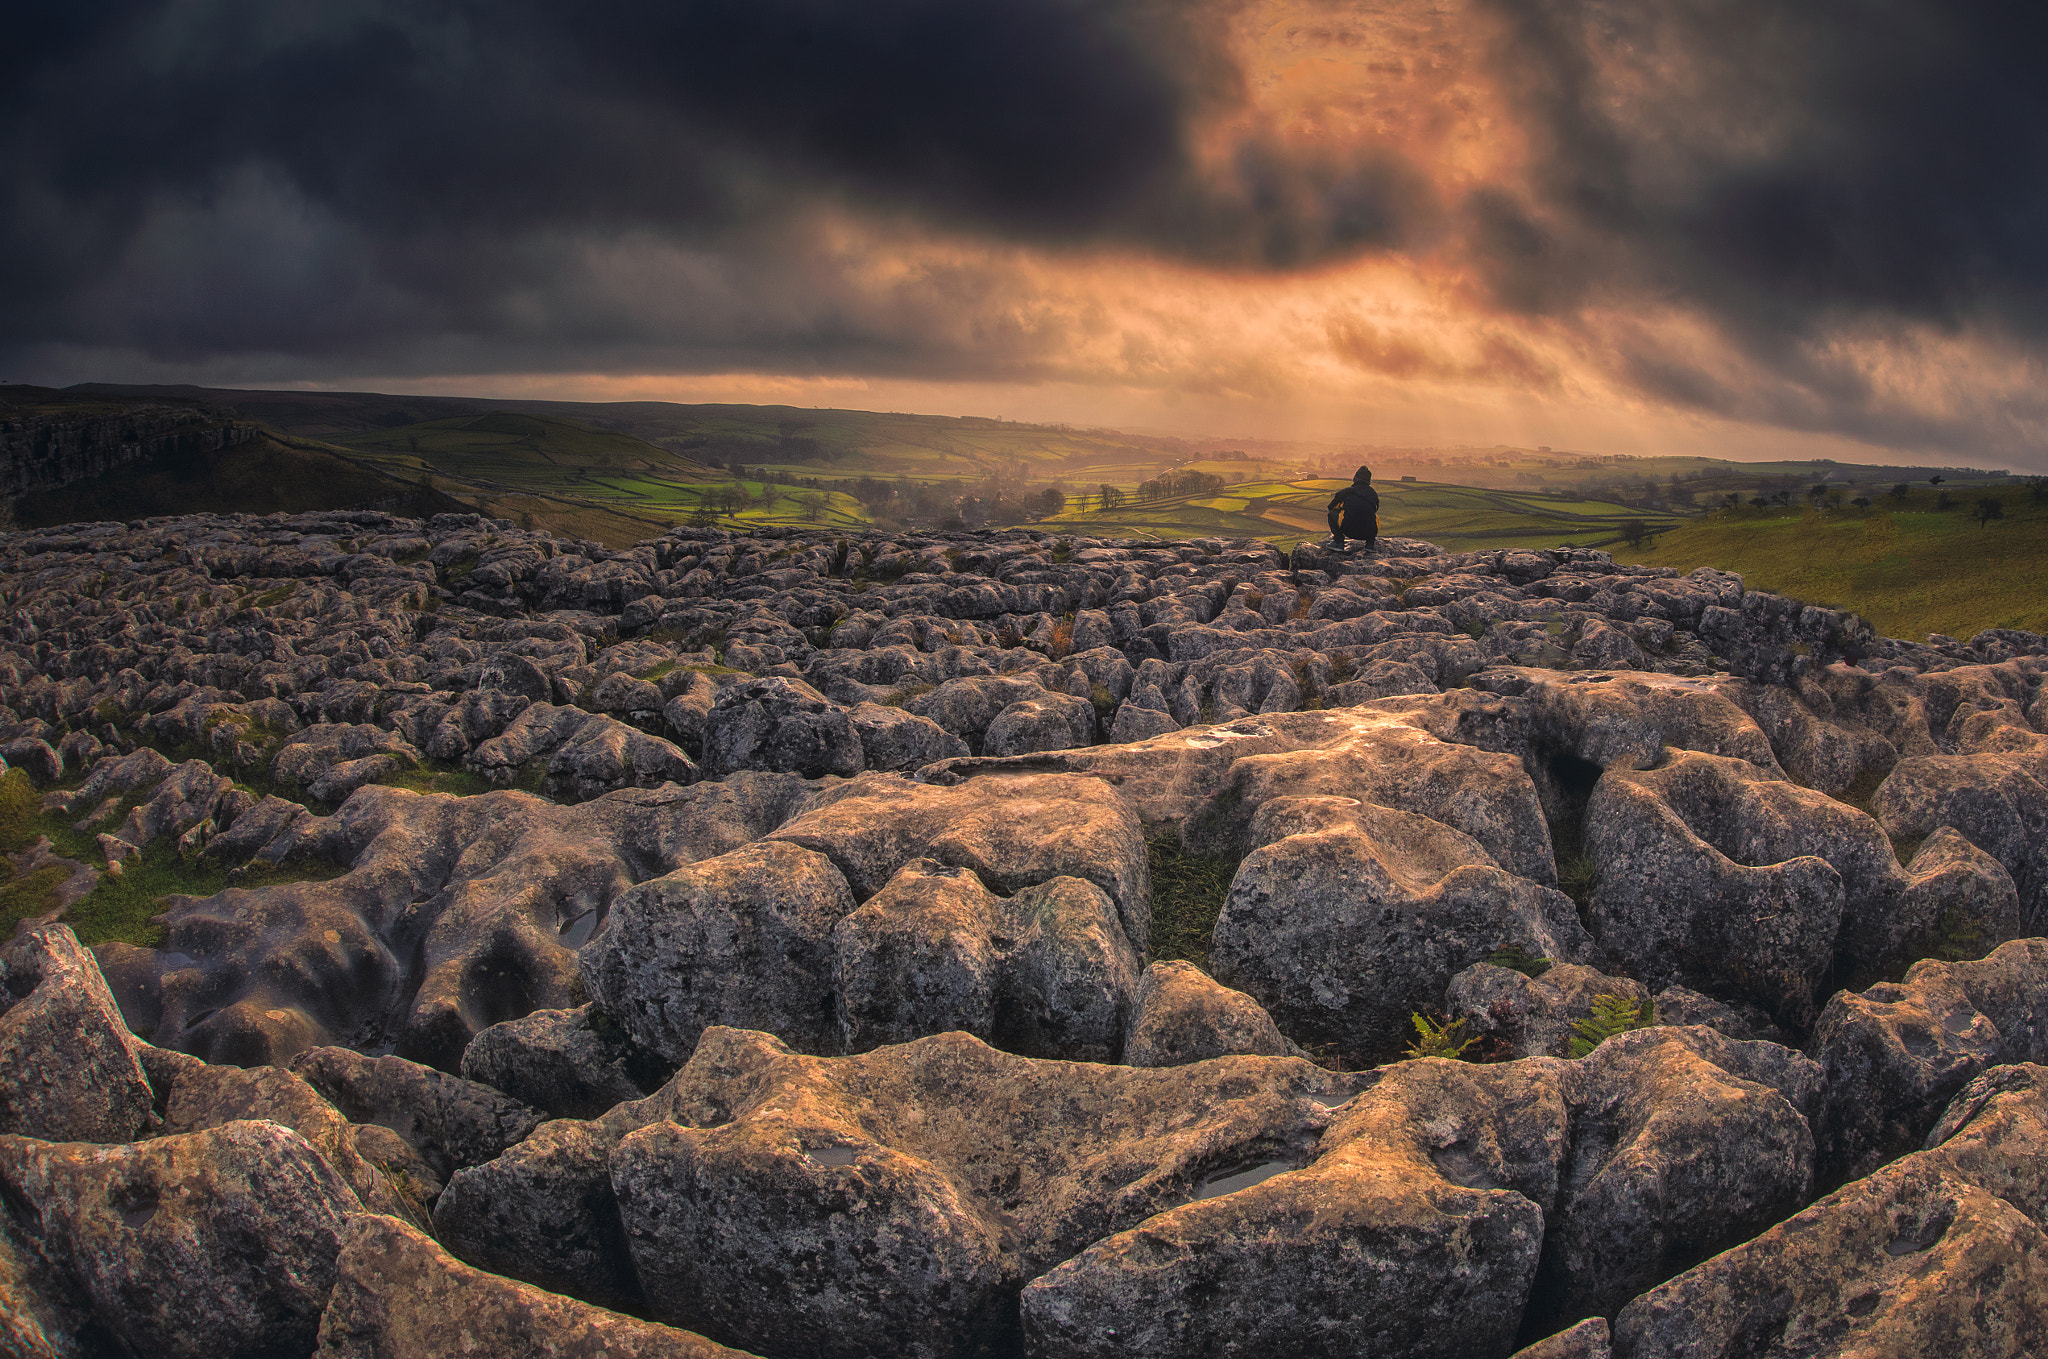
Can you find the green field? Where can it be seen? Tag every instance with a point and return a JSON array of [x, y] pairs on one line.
[[602, 484], [1461, 518], [1907, 567]]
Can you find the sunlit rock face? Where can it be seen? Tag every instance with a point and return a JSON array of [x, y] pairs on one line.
[[1004, 944]]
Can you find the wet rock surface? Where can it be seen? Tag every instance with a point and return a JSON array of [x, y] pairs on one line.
[[799, 966]]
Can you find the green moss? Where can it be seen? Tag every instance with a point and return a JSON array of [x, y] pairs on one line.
[[1188, 892], [904, 695], [270, 599], [123, 908], [20, 810], [23, 898], [437, 777]]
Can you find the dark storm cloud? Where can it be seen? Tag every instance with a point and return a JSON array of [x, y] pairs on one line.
[[447, 186], [1783, 167], [359, 179]]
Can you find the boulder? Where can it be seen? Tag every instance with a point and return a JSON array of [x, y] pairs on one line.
[[397, 1295], [331, 760], [69, 1069], [604, 755], [187, 796], [1712, 875], [1046, 972], [969, 1170], [566, 1063], [780, 724], [1533, 1016], [744, 939], [1941, 1252], [213, 1245], [545, 1212], [1628, 718], [451, 1122], [1993, 801], [893, 739], [1181, 1015], [966, 706], [1011, 830], [1897, 1053], [195, 1097], [1043, 722], [1347, 928], [1438, 1197], [456, 914]]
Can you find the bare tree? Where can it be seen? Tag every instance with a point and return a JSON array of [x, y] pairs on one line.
[[1989, 507]]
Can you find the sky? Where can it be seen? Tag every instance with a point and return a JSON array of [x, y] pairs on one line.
[[1742, 228]]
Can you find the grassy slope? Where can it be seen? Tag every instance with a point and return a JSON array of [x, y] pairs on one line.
[[567, 476], [1905, 566], [263, 476]]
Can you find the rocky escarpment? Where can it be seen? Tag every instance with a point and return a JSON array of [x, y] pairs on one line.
[[42, 450], [767, 945]]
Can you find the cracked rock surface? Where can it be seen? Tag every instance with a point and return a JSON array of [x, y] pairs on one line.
[[784, 944]]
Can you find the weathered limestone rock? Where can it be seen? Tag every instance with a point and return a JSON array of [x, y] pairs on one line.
[[1684, 1142], [1181, 1015], [1941, 1252], [1046, 972], [566, 1063], [1344, 930], [1896, 1054], [1417, 1227], [187, 796], [458, 913], [69, 1070], [1627, 719], [1712, 875], [331, 760], [397, 1295], [1589, 1339], [1533, 1016], [1013, 831], [451, 1122], [751, 1184], [544, 1211], [966, 706], [892, 739], [604, 755], [213, 1245], [196, 1097], [1042, 722], [744, 939], [1994, 801], [783, 725]]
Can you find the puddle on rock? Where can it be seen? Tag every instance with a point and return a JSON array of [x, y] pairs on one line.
[[1242, 1179], [831, 1156]]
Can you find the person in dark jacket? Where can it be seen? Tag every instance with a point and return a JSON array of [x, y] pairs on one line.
[[1355, 512]]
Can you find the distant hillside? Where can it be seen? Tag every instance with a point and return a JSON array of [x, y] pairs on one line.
[[50, 439], [830, 444], [106, 458], [776, 438], [1907, 566]]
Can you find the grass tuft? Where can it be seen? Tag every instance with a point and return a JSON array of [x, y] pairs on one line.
[[1188, 892]]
